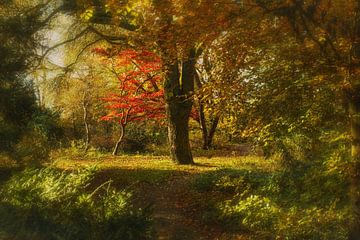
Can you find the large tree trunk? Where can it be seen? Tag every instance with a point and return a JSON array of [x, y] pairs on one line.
[[178, 131], [178, 89]]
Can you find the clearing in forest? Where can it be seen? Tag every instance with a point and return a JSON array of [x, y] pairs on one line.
[[178, 209]]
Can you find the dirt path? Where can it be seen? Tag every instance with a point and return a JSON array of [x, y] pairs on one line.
[[175, 213], [178, 209]]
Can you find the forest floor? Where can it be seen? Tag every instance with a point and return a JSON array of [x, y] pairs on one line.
[[178, 209]]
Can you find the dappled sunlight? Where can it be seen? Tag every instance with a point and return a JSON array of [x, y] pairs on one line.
[[179, 119]]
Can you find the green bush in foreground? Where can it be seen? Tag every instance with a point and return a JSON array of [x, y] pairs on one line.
[[293, 205], [264, 218], [50, 204]]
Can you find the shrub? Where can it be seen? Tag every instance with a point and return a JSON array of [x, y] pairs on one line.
[[50, 204], [129, 145], [263, 217], [103, 143], [309, 202], [313, 223], [140, 137], [32, 150], [205, 182], [42, 132], [254, 213], [77, 150]]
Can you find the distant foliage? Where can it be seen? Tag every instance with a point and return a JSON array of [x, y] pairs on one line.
[[25, 129], [50, 204]]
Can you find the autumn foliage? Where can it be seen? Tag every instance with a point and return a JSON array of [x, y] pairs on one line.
[[139, 96]]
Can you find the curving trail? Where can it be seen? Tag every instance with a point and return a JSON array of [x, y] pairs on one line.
[[176, 214], [178, 209]]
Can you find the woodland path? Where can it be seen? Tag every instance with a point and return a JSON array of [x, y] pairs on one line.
[[176, 212], [178, 209]]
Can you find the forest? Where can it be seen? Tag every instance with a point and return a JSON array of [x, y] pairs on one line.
[[180, 119]]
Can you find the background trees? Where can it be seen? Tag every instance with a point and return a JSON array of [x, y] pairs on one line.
[[177, 31], [20, 26], [326, 41]]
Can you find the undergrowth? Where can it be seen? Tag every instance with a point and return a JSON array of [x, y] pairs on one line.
[[309, 202], [51, 204]]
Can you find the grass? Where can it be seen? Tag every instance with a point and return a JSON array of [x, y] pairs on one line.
[[202, 164], [246, 196], [155, 169]]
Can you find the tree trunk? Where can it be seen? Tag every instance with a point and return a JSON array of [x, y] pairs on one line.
[[203, 126], [178, 89], [208, 136], [178, 132], [86, 124], [117, 145], [214, 124], [74, 130], [202, 117], [354, 111]]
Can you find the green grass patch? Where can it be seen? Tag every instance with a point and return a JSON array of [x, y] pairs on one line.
[[248, 195]]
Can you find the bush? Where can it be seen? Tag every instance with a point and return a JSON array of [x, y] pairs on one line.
[[254, 213], [77, 150], [313, 223], [264, 218], [103, 143], [139, 138], [50, 204], [129, 145], [41, 136], [32, 150], [309, 202]]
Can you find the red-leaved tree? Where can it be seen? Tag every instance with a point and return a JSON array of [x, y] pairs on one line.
[[139, 96]]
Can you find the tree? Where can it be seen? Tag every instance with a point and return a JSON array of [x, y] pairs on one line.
[[139, 96], [177, 31], [331, 37], [303, 59], [208, 117], [185, 28], [19, 30]]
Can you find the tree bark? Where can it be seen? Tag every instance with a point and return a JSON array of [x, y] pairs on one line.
[[178, 88], [354, 112], [74, 130], [203, 126], [214, 124], [117, 145], [86, 124], [208, 135]]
